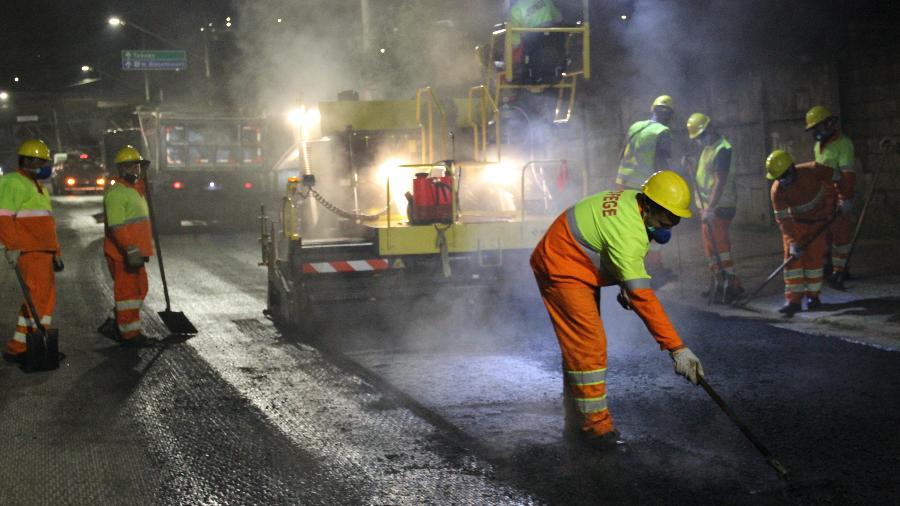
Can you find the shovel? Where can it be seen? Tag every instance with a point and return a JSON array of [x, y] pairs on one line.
[[175, 321], [42, 353]]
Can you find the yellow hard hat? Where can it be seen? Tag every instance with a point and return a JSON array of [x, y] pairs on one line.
[[696, 124], [664, 101], [817, 115], [35, 148], [778, 162], [128, 154], [669, 190]]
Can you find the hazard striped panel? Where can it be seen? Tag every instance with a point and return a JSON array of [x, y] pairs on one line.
[[377, 264]]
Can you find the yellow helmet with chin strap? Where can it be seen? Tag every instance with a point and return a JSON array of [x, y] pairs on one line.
[[778, 162], [817, 115], [697, 124], [663, 101], [128, 154], [35, 148], [669, 190]]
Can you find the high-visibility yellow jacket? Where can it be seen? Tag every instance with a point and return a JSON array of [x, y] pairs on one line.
[[838, 154], [532, 14], [127, 220], [610, 228], [26, 214], [639, 159], [706, 176]]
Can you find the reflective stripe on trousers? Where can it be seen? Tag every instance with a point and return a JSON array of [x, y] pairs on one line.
[[803, 276], [129, 289]]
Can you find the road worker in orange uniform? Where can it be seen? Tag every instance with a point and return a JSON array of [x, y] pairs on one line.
[[127, 247], [602, 241], [28, 233], [803, 201], [717, 199], [835, 150]]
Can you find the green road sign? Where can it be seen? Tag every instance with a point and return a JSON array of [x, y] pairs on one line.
[[152, 59]]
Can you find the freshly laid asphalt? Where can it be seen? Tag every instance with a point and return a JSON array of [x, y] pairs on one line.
[[452, 399]]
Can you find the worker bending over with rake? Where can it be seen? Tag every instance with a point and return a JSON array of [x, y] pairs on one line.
[[803, 199], [127, 247], [600, 241]]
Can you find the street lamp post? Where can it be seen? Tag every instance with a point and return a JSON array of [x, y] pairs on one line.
[[117, 21]]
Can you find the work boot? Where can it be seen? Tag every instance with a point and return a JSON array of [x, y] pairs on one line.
[[109, 329], [601, 442], [790, 308], [836, 281], [813, 303]]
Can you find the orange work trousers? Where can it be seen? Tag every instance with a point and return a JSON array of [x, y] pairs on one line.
[[840, 242], [37, 270], [129, 289], [719, 230], [803, 276], [569, 285]]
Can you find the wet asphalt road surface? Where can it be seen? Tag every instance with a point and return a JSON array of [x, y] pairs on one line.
[[452, 399]]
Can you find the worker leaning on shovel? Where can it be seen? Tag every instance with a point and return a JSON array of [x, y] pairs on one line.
[[127, 247], [600, 241], [28, 233]]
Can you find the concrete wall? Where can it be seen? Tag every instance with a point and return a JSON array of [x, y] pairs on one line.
[[870, 96]]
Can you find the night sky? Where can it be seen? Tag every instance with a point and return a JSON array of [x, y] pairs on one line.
[[45, 43]]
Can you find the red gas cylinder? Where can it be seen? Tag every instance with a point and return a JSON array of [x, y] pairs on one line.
[[432, 199]]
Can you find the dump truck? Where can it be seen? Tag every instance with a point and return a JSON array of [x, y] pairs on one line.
[[207, 168]]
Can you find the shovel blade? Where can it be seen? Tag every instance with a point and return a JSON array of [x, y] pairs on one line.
[[177, 322], [35, 352]]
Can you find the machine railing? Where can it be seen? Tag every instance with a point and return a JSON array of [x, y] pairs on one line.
[[486, 104], [426, 129]]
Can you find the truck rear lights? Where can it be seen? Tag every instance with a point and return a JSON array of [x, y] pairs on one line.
[[248, 185], [177, 185]]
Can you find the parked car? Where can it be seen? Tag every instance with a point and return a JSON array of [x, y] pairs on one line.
[[77, 173]]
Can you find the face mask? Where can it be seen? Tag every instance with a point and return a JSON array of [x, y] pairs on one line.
[[43, 172], [788, 178], [130, 178], [660, 235], [821, 136]]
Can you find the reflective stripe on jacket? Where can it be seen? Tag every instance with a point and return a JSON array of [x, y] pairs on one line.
[[26, 215], [127, 220], [809, 198], [639, 158], [706, 176]]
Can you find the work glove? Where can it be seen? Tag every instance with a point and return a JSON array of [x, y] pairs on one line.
[[133, 257], [58, 264], [795, 251], [846, 207], [687, 364], [12, 255], [623, 301]]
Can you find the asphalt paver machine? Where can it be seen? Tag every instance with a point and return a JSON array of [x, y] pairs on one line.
[[398, 198]]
